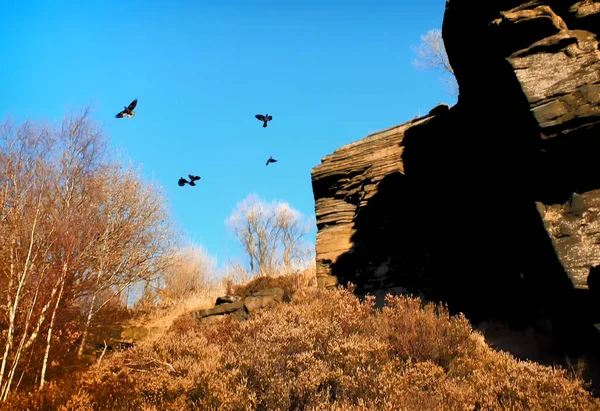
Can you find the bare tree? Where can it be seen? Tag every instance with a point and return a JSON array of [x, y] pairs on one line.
[[292, 231], [270, 233], [431, 55], [79, 152], [254, 228], [75, 230], [22, 244], [132, 243]]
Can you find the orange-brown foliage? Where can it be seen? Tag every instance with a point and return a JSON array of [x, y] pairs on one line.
[[77, 228], [325, 350], [290, 283]]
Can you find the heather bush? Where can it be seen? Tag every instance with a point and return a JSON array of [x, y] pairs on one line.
[[325, 350], [288, 282]]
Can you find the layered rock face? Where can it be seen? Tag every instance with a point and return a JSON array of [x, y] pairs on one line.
[[473, 204]]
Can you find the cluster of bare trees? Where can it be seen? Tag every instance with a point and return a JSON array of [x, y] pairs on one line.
[[76, 229], [431, 55], [272, 235]]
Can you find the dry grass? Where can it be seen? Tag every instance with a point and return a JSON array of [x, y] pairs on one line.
[[290, 283], [325, 350], [163, 317]]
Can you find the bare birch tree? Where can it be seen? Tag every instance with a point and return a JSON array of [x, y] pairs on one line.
[[134, 244], [79, 153], [292, 231], [21, 170], [431, 55], [75, 230], [270, 233]]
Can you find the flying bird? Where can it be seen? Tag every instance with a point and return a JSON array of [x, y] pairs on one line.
[[271, 160], [128, 111], [265, 119], [182, 181], [193, 179]]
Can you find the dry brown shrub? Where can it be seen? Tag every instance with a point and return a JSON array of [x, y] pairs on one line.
[[182, 324], [290, 283], [327, 350], [164, 317]]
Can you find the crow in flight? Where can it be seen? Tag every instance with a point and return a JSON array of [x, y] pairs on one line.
[[265, 119], [271, 160], [182, 181], [128, 111]]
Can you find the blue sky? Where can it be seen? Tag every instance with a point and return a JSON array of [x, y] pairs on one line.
[[330, 72]]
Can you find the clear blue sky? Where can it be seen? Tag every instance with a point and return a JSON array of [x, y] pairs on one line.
[[330, 72]]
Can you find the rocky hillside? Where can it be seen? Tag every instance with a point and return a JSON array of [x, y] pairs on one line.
[[473, 204]]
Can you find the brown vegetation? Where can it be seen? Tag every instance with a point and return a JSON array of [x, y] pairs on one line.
[[324, 350], [80, 233], [77, 230], [290, 283], [186, 283]]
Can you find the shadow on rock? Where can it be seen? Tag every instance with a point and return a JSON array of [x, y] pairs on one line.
[[461, 226]]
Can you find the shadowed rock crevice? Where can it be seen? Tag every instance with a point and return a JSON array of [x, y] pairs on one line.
[[369, 263]]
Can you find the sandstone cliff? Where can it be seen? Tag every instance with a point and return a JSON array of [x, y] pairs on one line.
[[473, 204]]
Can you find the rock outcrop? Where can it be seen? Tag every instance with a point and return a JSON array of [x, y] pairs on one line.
[[472, 204], [234, 305]]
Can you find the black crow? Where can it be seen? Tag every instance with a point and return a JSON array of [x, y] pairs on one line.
[[128, 111], [193, 179], [265, 119], [271, 160]]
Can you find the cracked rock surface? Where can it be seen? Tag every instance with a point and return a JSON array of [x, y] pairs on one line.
[[472, 198]]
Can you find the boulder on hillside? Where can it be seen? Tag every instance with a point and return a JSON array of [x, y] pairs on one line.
[[237, 308], [265, 298], [227, 299], [258, 299]]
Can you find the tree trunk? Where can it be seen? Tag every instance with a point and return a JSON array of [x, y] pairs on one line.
[[286, 260], [11, 373], [11, 321], [12, 308], [88, 320], [86, 327], [50, 327]]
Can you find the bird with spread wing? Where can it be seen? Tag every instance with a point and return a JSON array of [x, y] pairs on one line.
[[265, 119], [128, 111]]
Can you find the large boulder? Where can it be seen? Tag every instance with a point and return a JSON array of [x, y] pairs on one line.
[[265, 298], [235, 308], [470, 204], [233, 305]]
